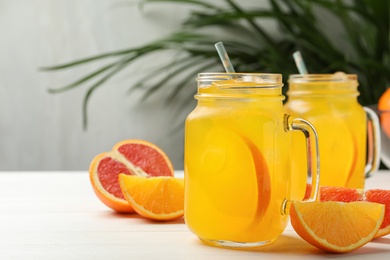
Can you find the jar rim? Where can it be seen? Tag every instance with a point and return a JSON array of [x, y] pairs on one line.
[[336, 77], [259, 78]]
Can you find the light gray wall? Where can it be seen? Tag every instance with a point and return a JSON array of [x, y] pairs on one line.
[[42, 131]]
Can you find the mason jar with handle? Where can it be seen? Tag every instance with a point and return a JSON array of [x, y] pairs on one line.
[[238, 159], [348, 133]]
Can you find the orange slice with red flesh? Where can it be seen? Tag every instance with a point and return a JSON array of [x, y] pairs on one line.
[[132, 157], [382, 197], [342, 194]]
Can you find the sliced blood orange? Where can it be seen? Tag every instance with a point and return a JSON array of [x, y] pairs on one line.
[[145, 157], [132, 157], [158, 198], [383, 197], [342, 194], [337, 226]]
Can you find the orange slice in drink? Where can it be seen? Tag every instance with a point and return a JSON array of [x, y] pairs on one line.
[[226, 168], [157, 198], [337, 150], [336, 226], [337, 155], [263, 179], [133, 157]]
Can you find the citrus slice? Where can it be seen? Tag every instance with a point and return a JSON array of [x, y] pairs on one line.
[[133, 157], [337, 150], [349, 194], [382, 197], [337, 226], [157, 198], [342, 194], [262, 179], [226, 168]]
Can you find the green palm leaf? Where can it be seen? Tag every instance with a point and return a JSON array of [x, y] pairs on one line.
[[364, 25]]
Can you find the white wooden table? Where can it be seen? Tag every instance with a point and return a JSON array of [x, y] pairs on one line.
[[56, 215]]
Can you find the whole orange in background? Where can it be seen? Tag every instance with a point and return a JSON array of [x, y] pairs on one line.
[[384, 109], [132, 157]]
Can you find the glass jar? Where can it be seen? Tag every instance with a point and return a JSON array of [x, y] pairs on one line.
[[237, 159], [329, 102]]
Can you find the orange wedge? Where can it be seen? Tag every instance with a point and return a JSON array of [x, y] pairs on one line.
[[157, 198], [336, 226], [133, 157], [328, 193]]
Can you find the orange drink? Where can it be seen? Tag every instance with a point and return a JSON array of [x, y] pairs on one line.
[[329, 102], [237, 159]]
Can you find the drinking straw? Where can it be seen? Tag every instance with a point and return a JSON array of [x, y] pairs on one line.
[[300, 63], [224, 57]]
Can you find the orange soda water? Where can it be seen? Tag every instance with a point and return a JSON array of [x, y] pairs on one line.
[[237, 160], [329, 102]]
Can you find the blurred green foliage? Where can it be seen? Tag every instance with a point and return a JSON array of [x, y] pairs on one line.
[[361, 45]]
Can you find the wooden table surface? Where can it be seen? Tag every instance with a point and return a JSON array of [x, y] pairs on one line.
[[56, 215]]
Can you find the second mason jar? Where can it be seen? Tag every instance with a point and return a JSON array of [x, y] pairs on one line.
[[329, 102]]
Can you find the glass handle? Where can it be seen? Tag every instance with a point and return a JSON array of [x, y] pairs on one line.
[[313, 159], [374, 142]]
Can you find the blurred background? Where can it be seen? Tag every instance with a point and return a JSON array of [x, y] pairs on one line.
[[43, 131], [46, 131]]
